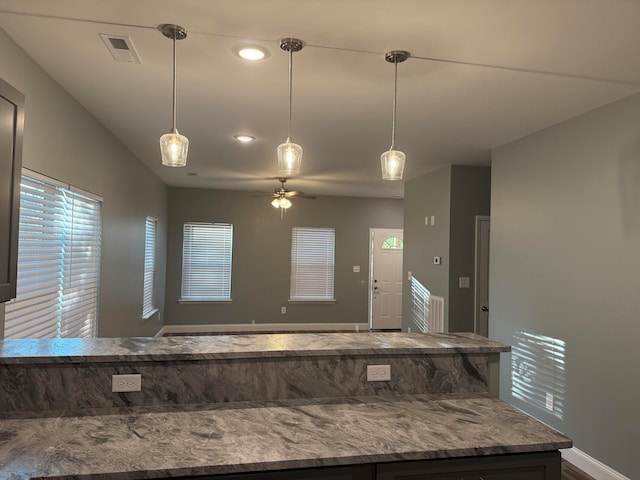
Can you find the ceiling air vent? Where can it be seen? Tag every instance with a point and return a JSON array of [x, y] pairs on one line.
[[121, 48]]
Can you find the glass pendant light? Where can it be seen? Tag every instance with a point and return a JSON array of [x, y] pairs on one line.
[[289, 153], [392, 161], [174, 147]]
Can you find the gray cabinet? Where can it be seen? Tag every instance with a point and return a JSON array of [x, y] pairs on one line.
[[526, 466], [530, 466], [11, 128], [352, 472]]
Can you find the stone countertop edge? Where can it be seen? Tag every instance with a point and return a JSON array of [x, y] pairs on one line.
[[241, 346], [256, 437]]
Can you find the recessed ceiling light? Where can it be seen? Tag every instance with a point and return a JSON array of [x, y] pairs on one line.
[[251, 52], [244, 138]]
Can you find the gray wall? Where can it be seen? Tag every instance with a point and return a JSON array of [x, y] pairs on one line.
[[426, 196], [470, 196], [62, 140], [262, 255], [454, 195], [565, 257]]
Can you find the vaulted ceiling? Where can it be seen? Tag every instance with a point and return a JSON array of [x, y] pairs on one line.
[[481, 73]]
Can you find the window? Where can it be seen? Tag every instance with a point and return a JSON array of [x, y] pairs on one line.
[[312, 264], [148, 308], [58, 261], [393, 243], [206, 261]]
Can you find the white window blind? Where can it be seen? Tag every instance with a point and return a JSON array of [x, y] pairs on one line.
[[151, 225], [206, 261], [312, 263], [58, 262]]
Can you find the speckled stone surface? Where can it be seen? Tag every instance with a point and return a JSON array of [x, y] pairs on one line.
[[35, 389], [245, 437], [69, 350]]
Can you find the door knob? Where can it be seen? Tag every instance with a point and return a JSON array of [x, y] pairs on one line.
[[484, 308]]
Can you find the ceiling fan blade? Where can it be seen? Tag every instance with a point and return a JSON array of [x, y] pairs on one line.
[[297, 194], [263, 194]]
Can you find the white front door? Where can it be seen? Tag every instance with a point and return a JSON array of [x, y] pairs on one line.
[[385, 305]]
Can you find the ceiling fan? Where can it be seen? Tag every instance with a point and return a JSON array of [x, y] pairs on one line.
[[281, 195]]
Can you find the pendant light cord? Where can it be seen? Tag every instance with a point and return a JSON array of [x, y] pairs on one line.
[[395, 92], [174, 80], [290, 89]]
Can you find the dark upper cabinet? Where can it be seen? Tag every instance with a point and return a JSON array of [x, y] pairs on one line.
[[11, 129]]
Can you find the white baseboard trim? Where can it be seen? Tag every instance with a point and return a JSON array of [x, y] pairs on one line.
[[265, 327], [160, 333], [590, 465]]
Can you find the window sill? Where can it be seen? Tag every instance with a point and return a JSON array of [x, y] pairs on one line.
[[205, 300], [312, 300], [151, 313]]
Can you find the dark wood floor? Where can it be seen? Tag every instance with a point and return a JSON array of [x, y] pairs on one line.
[[570, 472]]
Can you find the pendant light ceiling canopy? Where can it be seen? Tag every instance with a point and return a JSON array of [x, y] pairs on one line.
[[392, 161], [289, 153], [173, 146]]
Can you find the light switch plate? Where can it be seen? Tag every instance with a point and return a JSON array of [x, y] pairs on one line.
[[464, 282], [436, 260], [356, 269]]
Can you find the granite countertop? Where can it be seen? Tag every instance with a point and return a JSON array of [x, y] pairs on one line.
[[73, 350], [245, 437]]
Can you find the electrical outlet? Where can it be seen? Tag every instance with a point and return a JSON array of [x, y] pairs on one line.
[[126, 383], [283, 310], [378, 373], [549, 402]]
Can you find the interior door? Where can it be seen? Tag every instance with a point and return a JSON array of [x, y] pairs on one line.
[[483, 229], [385, 283]]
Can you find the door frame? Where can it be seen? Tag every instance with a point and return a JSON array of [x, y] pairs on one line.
[[480, 277]]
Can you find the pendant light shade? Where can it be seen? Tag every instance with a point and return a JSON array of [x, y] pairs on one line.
[[173, 146], [392, 161], [289, 153], [392, 164], [289, 158]]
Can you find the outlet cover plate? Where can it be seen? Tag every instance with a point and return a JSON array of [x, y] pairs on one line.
[[549, 402], [378, 373], [126, 383]]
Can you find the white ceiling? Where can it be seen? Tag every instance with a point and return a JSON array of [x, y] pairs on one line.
[[482, 73]]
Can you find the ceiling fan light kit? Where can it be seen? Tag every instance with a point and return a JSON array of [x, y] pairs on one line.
[[392, 161], [289, 153], [281, 202], [281, 196], [173, 146]]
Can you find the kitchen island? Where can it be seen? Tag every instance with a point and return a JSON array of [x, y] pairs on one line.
[[367, 431]]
